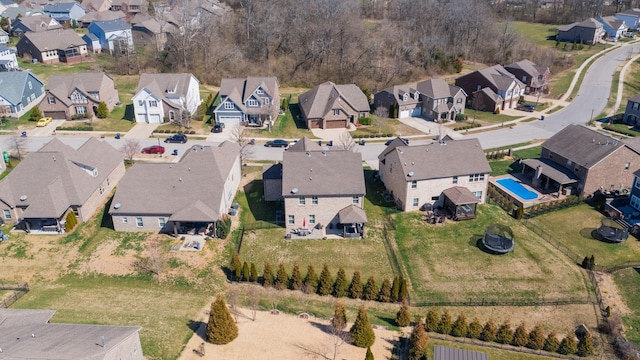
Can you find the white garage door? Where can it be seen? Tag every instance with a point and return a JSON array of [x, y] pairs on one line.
[[155, 118], [404, 114], [230, 120]]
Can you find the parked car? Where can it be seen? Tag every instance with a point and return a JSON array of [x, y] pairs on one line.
[[176, 138], [217, 128], [43, 121], [629, 34], [526, 107], [155, 149], [406, 141], [612, 39], [277, 143]]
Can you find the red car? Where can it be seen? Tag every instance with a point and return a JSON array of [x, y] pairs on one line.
[[155, 149]]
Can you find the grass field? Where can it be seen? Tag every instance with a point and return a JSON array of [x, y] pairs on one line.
[[501, 167], [444, 261], [539, 34], [628, 283], [573, 227]]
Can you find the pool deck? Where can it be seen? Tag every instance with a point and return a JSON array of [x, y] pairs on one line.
[[525, 181]]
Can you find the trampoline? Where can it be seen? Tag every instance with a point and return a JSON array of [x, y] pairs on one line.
[[498, 239], [610, 231]]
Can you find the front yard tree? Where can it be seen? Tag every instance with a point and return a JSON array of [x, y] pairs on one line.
[[460, 327], [103, 110], [403, 317], [489, 331], [253, 276], [585, 345], [282, 278], [361, 332], [520, 337], [536, 338], [444, 326], [325, 283], [130, 148], [310, 280], [395, 289], [35, 114], [551, 342], [431, 321], [245, 272], [385, 291], [339, 320], [505, 334], [267, 275], [475, 329], [341, 286], [418, 342], [296, 278], [221, 328], [370, 291], [568, 345], [355, 289]]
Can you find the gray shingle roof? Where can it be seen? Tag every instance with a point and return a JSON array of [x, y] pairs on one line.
[[588, 23], [239, 90], [159, 84], [437, 88], [305, 144], [12, 85], [112, 25], [460, 195], [63, 85], [58, 7], [352, 214], [190, 189], [555, 171], [499, 77], [54, 40], [101, 16], [317, 102]]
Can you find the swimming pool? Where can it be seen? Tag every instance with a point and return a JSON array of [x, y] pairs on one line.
[[517, 189]]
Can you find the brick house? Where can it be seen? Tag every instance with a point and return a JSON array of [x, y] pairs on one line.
[[331, 106], [492, 88], [535, 77]]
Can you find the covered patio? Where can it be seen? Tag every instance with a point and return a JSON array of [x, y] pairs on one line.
[[352, 219], [550, 177], [195, 219], [460, 203]]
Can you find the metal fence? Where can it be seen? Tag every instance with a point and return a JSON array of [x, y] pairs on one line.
[[506, 301], [553, 242]]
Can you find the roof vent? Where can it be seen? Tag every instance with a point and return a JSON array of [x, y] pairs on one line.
[[410, 174], [294, 190], [180, 179], [23, 198], [117, 206]]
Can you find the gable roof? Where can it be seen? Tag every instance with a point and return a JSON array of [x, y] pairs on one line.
[[12, 12], [459, 195], [101, 16], [63, 179], [62, 86], [612, 22], [322, 173], [528, 67], [588, 23], [53, 40], [108, 26], [160, 84], [317, 102], [12, 84], [398, 92], [635, 98], [352, 214], [437, 88], [36, 23], [499, 77], [191, 189], [582, 145], [305, 144], [239, 90], [439, 159], [61, 7]]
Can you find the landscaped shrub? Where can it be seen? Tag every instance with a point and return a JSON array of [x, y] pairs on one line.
[[395, 289], [325, 283], [355, 289], [461, 117], [369, 355], [505, 334], [267, 275], [71, 221], [536, 338], [445, 325], [341, 286], [361, 332], [551, 342], [103, 110], [370, 291], [339, 320], [568, 345], [253, 277], [404, 293], [295, 283], [35, 114], [431, 321], [520, 337], [223, 227], [310, 280], [282, 278], [621, 130], [460, 327], [497, 111], [77, 128], [245, 272], [585, 345], [475, 329], [365, 121], [467, 127], [221, 329], [418, 342], [385, 291], [489, 331], [403, 317]]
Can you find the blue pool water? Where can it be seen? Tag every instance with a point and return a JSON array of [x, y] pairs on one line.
[[517, 189]]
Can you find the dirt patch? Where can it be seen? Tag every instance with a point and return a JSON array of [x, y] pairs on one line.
[[610, 294], [104, 261]]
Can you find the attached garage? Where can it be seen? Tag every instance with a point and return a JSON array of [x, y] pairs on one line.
[[56, 115], [155, 118], [314, 124], [416, 112], [404, 114], [336, 124], [230, 120]]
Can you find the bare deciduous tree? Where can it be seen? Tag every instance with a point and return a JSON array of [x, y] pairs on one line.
[[130, 148], [345, 141], [156, 260], [254, 301], [238, 135], [18, 144]]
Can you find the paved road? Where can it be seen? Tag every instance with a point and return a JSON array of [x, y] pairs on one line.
[[591, 99]]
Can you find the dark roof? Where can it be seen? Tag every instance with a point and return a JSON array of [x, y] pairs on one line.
[[460, 195], [446, 353], [552, 170], [305, 144], [352, 214], [272, 172]]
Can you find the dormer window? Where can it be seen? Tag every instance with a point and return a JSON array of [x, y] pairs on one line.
[[228, 106], [416, 94], [405, 97], [252, 103], [259, 91], [171, 91]]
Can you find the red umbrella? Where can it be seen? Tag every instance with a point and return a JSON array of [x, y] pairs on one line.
[[304, 222]]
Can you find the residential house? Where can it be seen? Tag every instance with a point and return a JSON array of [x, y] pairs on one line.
[[36, 23], [631, 18], [5, 4], [129, 7], [4, 37], [57, 179], [163, 97], [96, 5], [93, 43], [447, 353], [115, 36], [77, 96], [583, 161], [634, 200], [587, 32], [492, 88], [534, 77], [432, 99], [15, 12], [632, 111], [29, 334], [313, 199], [19, 92], [106, 15], [64, 11], [252, 101], [52, 47], [8, 60], [331, 106], [188, 196], [420, 176], [148, 32], [613, 26]]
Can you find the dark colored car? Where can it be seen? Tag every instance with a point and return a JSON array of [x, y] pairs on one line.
[[217, 128], [526, 107], [177, 138], [155, 149], [277, 143], [406, 141]]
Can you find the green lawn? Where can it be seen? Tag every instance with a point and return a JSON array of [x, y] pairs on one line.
[[287, 126], [573, 227], [628, 283], [539, 34], [501, 167], [487, 117], [445, 262]]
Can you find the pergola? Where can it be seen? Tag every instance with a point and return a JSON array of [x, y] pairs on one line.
[[547, 172], [352, 218], [460, 203]]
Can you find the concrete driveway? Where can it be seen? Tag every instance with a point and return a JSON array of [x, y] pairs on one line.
[[141, 131]]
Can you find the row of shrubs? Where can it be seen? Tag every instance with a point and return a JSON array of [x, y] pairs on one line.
[[76, 128], [173, 131], [323, 285], [619, 130], [467, 127], [370, 136]]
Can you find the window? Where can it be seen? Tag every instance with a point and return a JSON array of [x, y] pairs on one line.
[[140, 102], [414, 184], [524, 79], [336, 111], [455, 179], [153, 103], [626, 166], [477, 194], [259, 91], [476, 177], [416, 201], [51, 100], [252, 102], [291, 220], [302, 200], [161, 222], [635, 202], [228, 106], [637, 183], [355, 199], [266, 101], [435, 198], [125, 220], [139, 222], [33, 97], [312, 219], [635, 106], [459, 101], [7, 214], [101, 188], [172, 115], [314, 200], [30, 86], [569, 164], [81, 110]]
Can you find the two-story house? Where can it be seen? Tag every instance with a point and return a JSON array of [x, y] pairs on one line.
[[492, 88], [64, 11], [114, 35], [163, 97], [52, 47], [4, 37], [534, 77], [331, 106], [632, 111], [78, 95], [251, 101], [129, 7], [149, 32], [613, 26], [587, 32], [19, 92], [36, 23], [630, 17], [420, 175], [8, 59]]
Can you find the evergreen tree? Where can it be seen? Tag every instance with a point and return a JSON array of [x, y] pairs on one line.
[[460, 327], [505, 334], [592, 262], [296, 278], [395, 289], [221, 328], [325, 284], [267, 275], [103, 110], [385, 291], [282, 278], [475, 329], [403, 317], [369, 355], [370, 291], [310, 280], [236, 266], [551, 343], [418, 342], [355, 288], [253, 275], [489, 331], [339, 320], [568, 345], [341, 286], [245, 272], [520, 336], [404, 294], [361, 332], [431, 321], [35, 114], [585, 345], [536, 338], [444, 326]]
